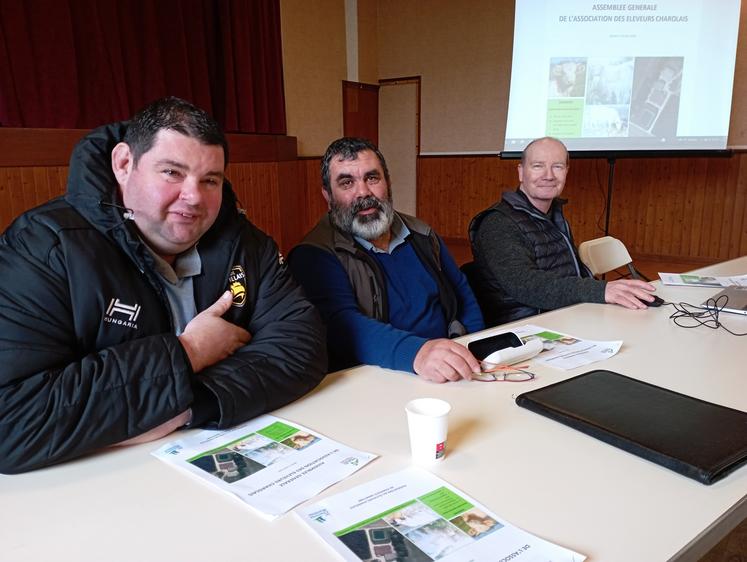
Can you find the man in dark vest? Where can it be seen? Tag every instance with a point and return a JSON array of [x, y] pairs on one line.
[[525, 258], [385, 284]]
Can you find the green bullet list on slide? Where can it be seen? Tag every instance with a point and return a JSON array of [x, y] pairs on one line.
[[565, 117]]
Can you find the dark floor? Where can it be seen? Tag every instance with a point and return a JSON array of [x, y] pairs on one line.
[[733, 548]]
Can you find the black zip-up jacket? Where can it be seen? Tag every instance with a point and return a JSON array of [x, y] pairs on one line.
[[88, 354]]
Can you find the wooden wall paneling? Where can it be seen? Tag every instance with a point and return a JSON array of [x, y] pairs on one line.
[[451, 204], [292, 205], [649, 208], [675, 209], [732, 193], [636, 231], [646, 204], [6, 214], [315, 205], [667, 205], [23, 184], [730, 190], [689, 188], [50, 183], [742, 184], [37, 147], [465, 187], [706, 180], [680, 209], [696, 214], [256, 186], [260, 148], [467, 178], [575, 191], [738, 234], [621, 213], [39, 187], [656, 208], [687, 208], [691, 209], [57, 182], [707, 209], [586, 191], [29, 147], [452, 190], [599, 192], [717, 198], [499, 177], [624, 213], [643, 176], [265, 189]]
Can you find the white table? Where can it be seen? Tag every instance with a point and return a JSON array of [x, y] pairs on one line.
[[538, 474]]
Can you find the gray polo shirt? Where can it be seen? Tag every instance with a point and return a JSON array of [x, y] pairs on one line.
[[176, 281]]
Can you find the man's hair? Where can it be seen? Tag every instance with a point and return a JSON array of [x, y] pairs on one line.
[[173, 114], [526, 148], [347, 148]]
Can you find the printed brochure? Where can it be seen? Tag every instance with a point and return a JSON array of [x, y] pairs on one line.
[[563, 351], [703, 280], [414, 516], [270, 464]]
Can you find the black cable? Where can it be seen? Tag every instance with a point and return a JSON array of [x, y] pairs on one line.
[[708, 315]]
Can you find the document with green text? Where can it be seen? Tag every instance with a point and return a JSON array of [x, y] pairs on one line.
[[414, 516], [270, 464]]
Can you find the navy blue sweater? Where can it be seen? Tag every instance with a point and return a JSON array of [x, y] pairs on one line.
[[415, 313]]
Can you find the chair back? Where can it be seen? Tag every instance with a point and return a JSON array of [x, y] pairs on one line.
[[604, 254]]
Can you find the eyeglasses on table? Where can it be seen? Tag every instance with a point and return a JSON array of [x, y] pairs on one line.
[[503, 373]]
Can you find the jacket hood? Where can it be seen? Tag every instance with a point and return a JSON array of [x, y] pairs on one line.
[[92, 189]]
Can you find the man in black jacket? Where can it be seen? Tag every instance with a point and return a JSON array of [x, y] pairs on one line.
[[525, 258], [143, 300]]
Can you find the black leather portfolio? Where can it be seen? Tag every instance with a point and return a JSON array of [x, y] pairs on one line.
[[698, 439]]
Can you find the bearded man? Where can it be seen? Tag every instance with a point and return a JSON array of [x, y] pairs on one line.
[[385, 284]]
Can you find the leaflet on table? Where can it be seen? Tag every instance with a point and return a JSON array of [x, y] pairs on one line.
[[413, 515], [566, 352], [269, 463], [703, 280]]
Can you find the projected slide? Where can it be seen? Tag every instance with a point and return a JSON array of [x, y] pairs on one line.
[[608, 76], [615, 97]]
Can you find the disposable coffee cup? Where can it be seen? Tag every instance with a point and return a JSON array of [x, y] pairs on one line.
[[428, 423]]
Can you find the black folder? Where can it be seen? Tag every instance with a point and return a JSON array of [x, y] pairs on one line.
[[698, 439]]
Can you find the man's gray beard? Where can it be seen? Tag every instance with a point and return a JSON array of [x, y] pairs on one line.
[[369, 227]]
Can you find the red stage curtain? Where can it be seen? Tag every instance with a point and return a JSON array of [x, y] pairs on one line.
[[82, 63]]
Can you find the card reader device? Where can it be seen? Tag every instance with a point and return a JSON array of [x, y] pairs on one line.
[[504, 349]]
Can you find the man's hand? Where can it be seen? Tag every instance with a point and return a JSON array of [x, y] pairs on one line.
[[629, 293], [160, 431], [208, 338], [443, 360]]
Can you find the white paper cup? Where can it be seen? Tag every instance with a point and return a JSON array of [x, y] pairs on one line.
[[428, 422]]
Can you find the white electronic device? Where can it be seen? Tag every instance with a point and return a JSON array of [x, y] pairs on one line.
[[511, 355]]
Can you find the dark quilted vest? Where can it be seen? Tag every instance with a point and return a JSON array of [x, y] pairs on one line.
[[549, 236]]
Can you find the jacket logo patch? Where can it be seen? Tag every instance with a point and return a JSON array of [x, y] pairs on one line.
[[122, 314], [237, 285]]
